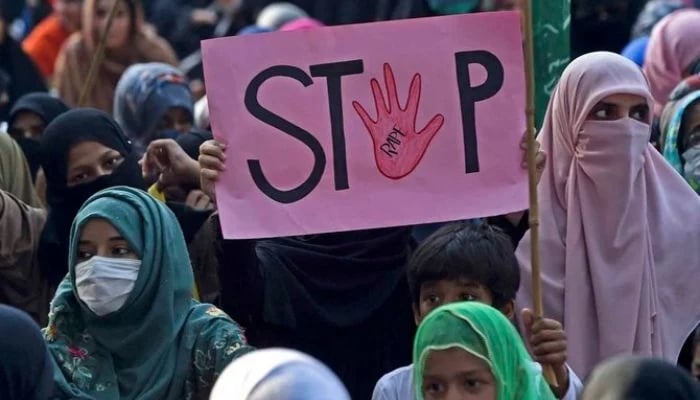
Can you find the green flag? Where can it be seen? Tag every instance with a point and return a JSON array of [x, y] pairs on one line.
[[551, 28]]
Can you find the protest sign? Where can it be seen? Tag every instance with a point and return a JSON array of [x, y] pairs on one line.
[[368, 126]]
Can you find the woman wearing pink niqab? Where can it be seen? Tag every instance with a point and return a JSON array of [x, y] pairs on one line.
[[620, 229], [673, 47]]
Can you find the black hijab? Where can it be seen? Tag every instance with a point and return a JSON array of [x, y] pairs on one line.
[[191, 141], [336, 279], [657, 379], [26, 368], [66, 131], [47, 108]]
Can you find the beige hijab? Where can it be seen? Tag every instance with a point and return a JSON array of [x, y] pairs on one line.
[[73, 63], [21, 223], [14, 173]]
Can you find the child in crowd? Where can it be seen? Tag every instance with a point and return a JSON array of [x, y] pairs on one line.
[[466, 262], [470, 351]]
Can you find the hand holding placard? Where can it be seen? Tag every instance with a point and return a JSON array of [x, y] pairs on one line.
[[398, 148], [212, 156], [305, 165]]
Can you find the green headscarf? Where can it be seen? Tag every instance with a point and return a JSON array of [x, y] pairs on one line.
[[14, 172], [486, 333], [161, 344]]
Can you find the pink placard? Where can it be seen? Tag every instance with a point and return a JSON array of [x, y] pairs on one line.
[[367, 126]]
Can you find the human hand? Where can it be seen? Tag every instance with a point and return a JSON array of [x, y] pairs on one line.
[[398, 147], [197, 89], [212, 156], [540, 158], [547, 341], [540, 162], [198, 200], [203, 17], [40, 186], [167, 160]]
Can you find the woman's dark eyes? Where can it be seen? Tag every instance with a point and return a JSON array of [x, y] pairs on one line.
[[640, 113], [601, 113], [79, 178], [604, 112], [693, 138], [610, 112], [121, 251], [113, 161]]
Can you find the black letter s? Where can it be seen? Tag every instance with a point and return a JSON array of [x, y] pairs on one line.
[[272, 119]]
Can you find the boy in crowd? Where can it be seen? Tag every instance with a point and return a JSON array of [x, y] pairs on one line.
[[467, 262]]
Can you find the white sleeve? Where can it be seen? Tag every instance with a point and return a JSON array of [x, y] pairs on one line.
[[381, 391], [575, 386]]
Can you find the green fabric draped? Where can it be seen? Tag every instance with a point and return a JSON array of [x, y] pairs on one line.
[[161, 344], [486, 333]]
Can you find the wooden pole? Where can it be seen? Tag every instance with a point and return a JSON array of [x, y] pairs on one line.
[[97, 58], [547, 370]]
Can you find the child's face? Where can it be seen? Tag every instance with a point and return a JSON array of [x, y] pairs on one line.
[[455, 374], [434, 294]]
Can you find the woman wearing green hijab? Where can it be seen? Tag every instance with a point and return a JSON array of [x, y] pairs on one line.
[[470, 351], [123, 324]]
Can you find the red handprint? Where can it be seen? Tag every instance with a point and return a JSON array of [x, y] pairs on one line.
[[398, 148]]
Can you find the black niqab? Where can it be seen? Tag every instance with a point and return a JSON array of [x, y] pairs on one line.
[[66, 131], [341, 297], [44, 105], [26, 368], [47, 108], [327, 279]]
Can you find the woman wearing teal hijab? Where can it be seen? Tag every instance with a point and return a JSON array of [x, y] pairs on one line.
[[470, 351], [123, 324], [680, 130]]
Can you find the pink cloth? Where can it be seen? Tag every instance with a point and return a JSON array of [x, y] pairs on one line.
[[673, 46], [301, 24], [620, 229]]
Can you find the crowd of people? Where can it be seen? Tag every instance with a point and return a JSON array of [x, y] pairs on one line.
[[116, 281]]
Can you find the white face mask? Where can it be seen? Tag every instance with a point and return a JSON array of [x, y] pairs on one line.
[[692, 163], [104, 283]]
